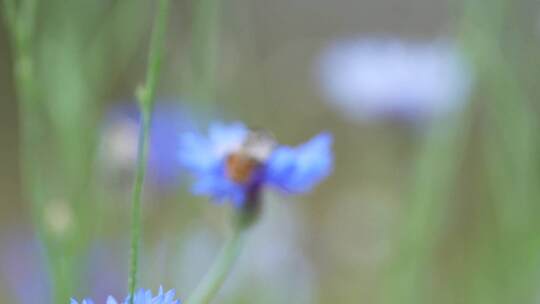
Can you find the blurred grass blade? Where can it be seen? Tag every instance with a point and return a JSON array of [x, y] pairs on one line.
[[440, 154], [511, 164], [204, 50]]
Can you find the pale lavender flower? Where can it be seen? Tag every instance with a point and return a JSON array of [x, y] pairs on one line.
[[372, 79]]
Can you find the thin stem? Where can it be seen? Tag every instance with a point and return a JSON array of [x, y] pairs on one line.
[[145, 97], [157, 44], [142, 152], [214, 279]]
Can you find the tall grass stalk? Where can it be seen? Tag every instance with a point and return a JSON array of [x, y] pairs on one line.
[[146, 95]]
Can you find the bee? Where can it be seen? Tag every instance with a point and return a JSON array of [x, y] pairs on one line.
[[243, 164]]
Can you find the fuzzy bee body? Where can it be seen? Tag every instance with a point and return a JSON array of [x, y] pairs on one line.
[[243, 165], [241, 168]]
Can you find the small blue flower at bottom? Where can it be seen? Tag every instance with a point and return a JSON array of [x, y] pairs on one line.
[[141, 297], [233, 161]]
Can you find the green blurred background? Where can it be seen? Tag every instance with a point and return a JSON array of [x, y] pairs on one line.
[[446, 214]]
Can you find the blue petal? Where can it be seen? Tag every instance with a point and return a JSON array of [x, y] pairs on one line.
[[111, 300], [169, 296], [195, 153], [205, 158], [223, 136], [85, 301], [219, 188], [299, 169], [201, 155]]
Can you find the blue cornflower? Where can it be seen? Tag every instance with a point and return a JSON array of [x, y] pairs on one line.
[[141, 297], [234, 162]]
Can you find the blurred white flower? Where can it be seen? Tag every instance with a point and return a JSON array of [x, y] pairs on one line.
[[120, 141], [58, 217], [371, 79]]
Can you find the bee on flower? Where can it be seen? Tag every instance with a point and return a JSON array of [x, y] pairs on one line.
[[234, 163]]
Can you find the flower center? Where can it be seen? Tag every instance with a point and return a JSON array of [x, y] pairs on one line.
[[243, 165], [241, 168]]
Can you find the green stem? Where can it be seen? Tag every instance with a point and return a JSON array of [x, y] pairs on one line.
[[142, 152], [146, 95], [214, 279]]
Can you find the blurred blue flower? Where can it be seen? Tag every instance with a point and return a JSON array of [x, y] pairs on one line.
[[22, 270], [371, 79], [141, 297], [121, 134], [233, 162]]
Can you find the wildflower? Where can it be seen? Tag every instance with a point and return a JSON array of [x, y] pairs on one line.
[[233, 163], [374, 79], [141, 297]]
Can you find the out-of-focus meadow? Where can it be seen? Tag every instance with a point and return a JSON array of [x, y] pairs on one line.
[[433, 105]]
